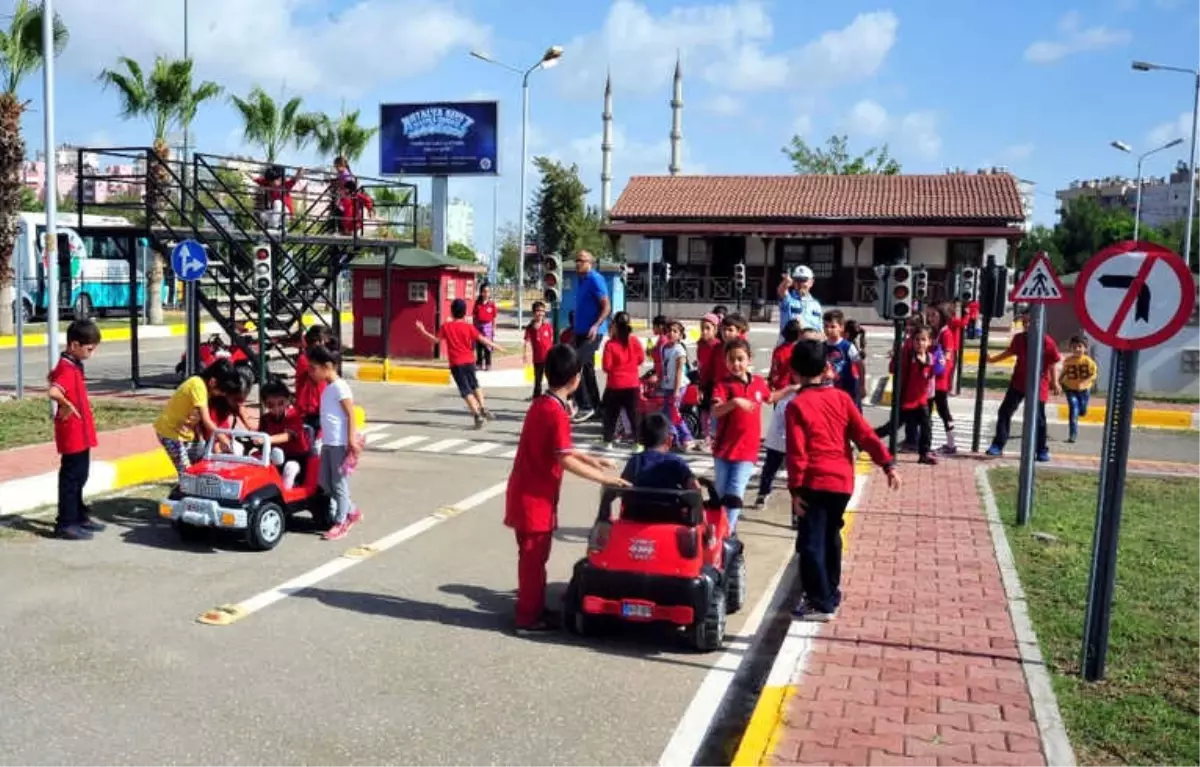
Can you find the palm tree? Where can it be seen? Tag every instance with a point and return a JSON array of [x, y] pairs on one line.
[[343, 136], [271, 128], [167, 98], [21, 55]]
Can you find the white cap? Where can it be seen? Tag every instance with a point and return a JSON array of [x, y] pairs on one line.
[[802, 273]]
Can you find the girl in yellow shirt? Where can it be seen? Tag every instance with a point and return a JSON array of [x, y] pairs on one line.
[[179, 426]]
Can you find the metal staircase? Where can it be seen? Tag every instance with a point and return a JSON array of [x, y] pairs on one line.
[[219, 203]]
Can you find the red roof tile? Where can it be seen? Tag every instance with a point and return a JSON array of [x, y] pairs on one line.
[[945, 197]]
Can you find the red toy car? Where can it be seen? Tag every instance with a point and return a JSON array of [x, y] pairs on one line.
[[668, 557], [246, 493], [652, 402]]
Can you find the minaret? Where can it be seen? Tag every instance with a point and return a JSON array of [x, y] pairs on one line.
[[606, 151], [676, 118]]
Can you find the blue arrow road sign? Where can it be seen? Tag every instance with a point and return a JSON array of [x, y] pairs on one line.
[[189, 260]]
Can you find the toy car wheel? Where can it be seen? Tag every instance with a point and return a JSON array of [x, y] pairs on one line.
[[188, 533], [574, 619], [707, 633], [266, 527], [735, 583], [692, 419]]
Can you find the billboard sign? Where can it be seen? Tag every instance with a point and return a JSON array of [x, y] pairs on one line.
[[446, 138]]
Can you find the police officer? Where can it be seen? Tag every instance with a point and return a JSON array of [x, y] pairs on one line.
[[797, 303]]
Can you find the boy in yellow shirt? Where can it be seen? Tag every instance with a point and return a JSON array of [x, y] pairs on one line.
[[1077, 378]]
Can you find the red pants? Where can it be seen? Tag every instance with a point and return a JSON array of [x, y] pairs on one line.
[[533, 551]]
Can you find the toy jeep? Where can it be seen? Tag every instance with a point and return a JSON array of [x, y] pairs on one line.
[[668, 557], [244, 492]]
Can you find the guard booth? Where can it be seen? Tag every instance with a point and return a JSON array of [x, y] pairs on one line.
[[612, 280], [395, 289]]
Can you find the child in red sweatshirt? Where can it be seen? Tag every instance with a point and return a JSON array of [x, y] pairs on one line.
[[780, 376], [916, 374], [820, 424], [623, 356]]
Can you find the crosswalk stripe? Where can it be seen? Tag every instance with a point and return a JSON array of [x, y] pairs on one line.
[[404, 442], [373, 437], [444, 444], [480, 448], [508, 454], [372, 427]]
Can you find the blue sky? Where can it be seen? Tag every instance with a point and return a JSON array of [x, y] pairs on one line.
[[1038, 87]]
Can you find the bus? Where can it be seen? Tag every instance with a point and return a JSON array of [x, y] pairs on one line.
[[94, 262]]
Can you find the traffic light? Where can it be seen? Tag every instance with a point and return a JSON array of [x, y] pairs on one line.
[[667, 272], [552, 279], [900, 292], [626, 270], [739, 276], [968, 286], [993, 291], [263, 270], [921, 284], [881, 292]]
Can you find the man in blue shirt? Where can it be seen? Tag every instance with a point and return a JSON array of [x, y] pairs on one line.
[[796, 303], [592, 308]]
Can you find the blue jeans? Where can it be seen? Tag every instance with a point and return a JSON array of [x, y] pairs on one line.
[[731, 480], [1077, 405]]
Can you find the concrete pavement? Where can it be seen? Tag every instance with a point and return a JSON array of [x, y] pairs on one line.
[[404, 656]]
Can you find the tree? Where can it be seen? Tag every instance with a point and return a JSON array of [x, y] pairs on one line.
[[166, 98], [556, 214], [510, 252], [342, 136], [835, 159], [21, 54], [1040, 238], [586, 234], [271, 128], [461, 252]]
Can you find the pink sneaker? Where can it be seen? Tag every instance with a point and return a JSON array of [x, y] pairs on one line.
[[337, 531], [353, 518]]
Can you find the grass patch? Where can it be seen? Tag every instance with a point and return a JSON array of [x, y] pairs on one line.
[[27, 421], [1146, 711]]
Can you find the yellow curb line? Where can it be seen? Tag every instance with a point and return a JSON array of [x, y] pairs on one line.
[[764, 730], [402, 374]]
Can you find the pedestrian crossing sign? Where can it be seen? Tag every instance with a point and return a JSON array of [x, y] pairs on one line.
[[1039, 284]]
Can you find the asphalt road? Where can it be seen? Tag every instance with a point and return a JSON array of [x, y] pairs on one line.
[[405, 656]]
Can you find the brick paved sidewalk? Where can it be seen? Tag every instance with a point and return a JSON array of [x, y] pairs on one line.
[[921, 665]]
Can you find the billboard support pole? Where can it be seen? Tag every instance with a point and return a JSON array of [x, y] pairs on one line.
[[439, 210]]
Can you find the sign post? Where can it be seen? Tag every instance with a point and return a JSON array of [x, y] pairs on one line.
[[1037, 287], [987, 284], [19, 312], [1129, 296], [190, 261]]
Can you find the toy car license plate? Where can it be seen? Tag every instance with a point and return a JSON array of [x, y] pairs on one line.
[[636, 610], [196, 512]]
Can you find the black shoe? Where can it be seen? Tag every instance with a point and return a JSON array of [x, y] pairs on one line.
[[542, 626], [73, 533], [92, 526]]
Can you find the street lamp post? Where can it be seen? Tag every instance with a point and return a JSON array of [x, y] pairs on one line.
[[1137, 205], [549, 59], [1146, 66]]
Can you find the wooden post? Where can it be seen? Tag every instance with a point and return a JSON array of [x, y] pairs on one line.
[[857, 243]]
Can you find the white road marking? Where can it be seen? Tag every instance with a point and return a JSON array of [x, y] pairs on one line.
[[372, 427], [508, 454], [697, 720], [412, 439], [342, 563], [480, 448], [373, 437], [442, 445]]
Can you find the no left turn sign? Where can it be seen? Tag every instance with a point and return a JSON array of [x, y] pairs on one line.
[[1134, 295]]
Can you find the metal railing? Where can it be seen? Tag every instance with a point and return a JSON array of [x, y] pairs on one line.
[[692, 289]]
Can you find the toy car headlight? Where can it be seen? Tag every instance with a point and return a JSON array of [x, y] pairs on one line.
[[187, 484], [231, 489]]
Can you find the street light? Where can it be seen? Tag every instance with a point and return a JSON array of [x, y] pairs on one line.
[[1146, 66], [549, 59], [1137, 206]]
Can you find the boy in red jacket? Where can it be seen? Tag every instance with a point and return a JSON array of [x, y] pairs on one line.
[[539, 338], [544, 451], [780, 376], [821, 422], [74, 431], [916, 374]]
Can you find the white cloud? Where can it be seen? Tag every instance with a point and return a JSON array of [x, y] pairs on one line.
[[1180, 127], [918, 133], [302, 43], [1075, 38], [802, 125], [1018, 152], [630, 157], [867, 118], [722, 104], [726, 45]]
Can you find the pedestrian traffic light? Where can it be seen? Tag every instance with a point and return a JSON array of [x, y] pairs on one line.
[[882, 305], [739, 276], [667, 272], [968, 286], [552, 279], [994, 288], [900, 292], [263, 270], [921, 284]]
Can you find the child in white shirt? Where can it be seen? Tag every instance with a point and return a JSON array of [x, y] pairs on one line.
[[340, 445]]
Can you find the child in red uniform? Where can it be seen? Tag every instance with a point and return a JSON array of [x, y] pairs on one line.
[[354, 204], [287, 430], [947, 330], [623, 356], [308, 391], [737, 406], [780, 375], [74, 431], [544, 451], [708, 349], [821, 422], [916, 373], [458, 338], [484, 316], [275, 195], [539, 335], [1018, 347]]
